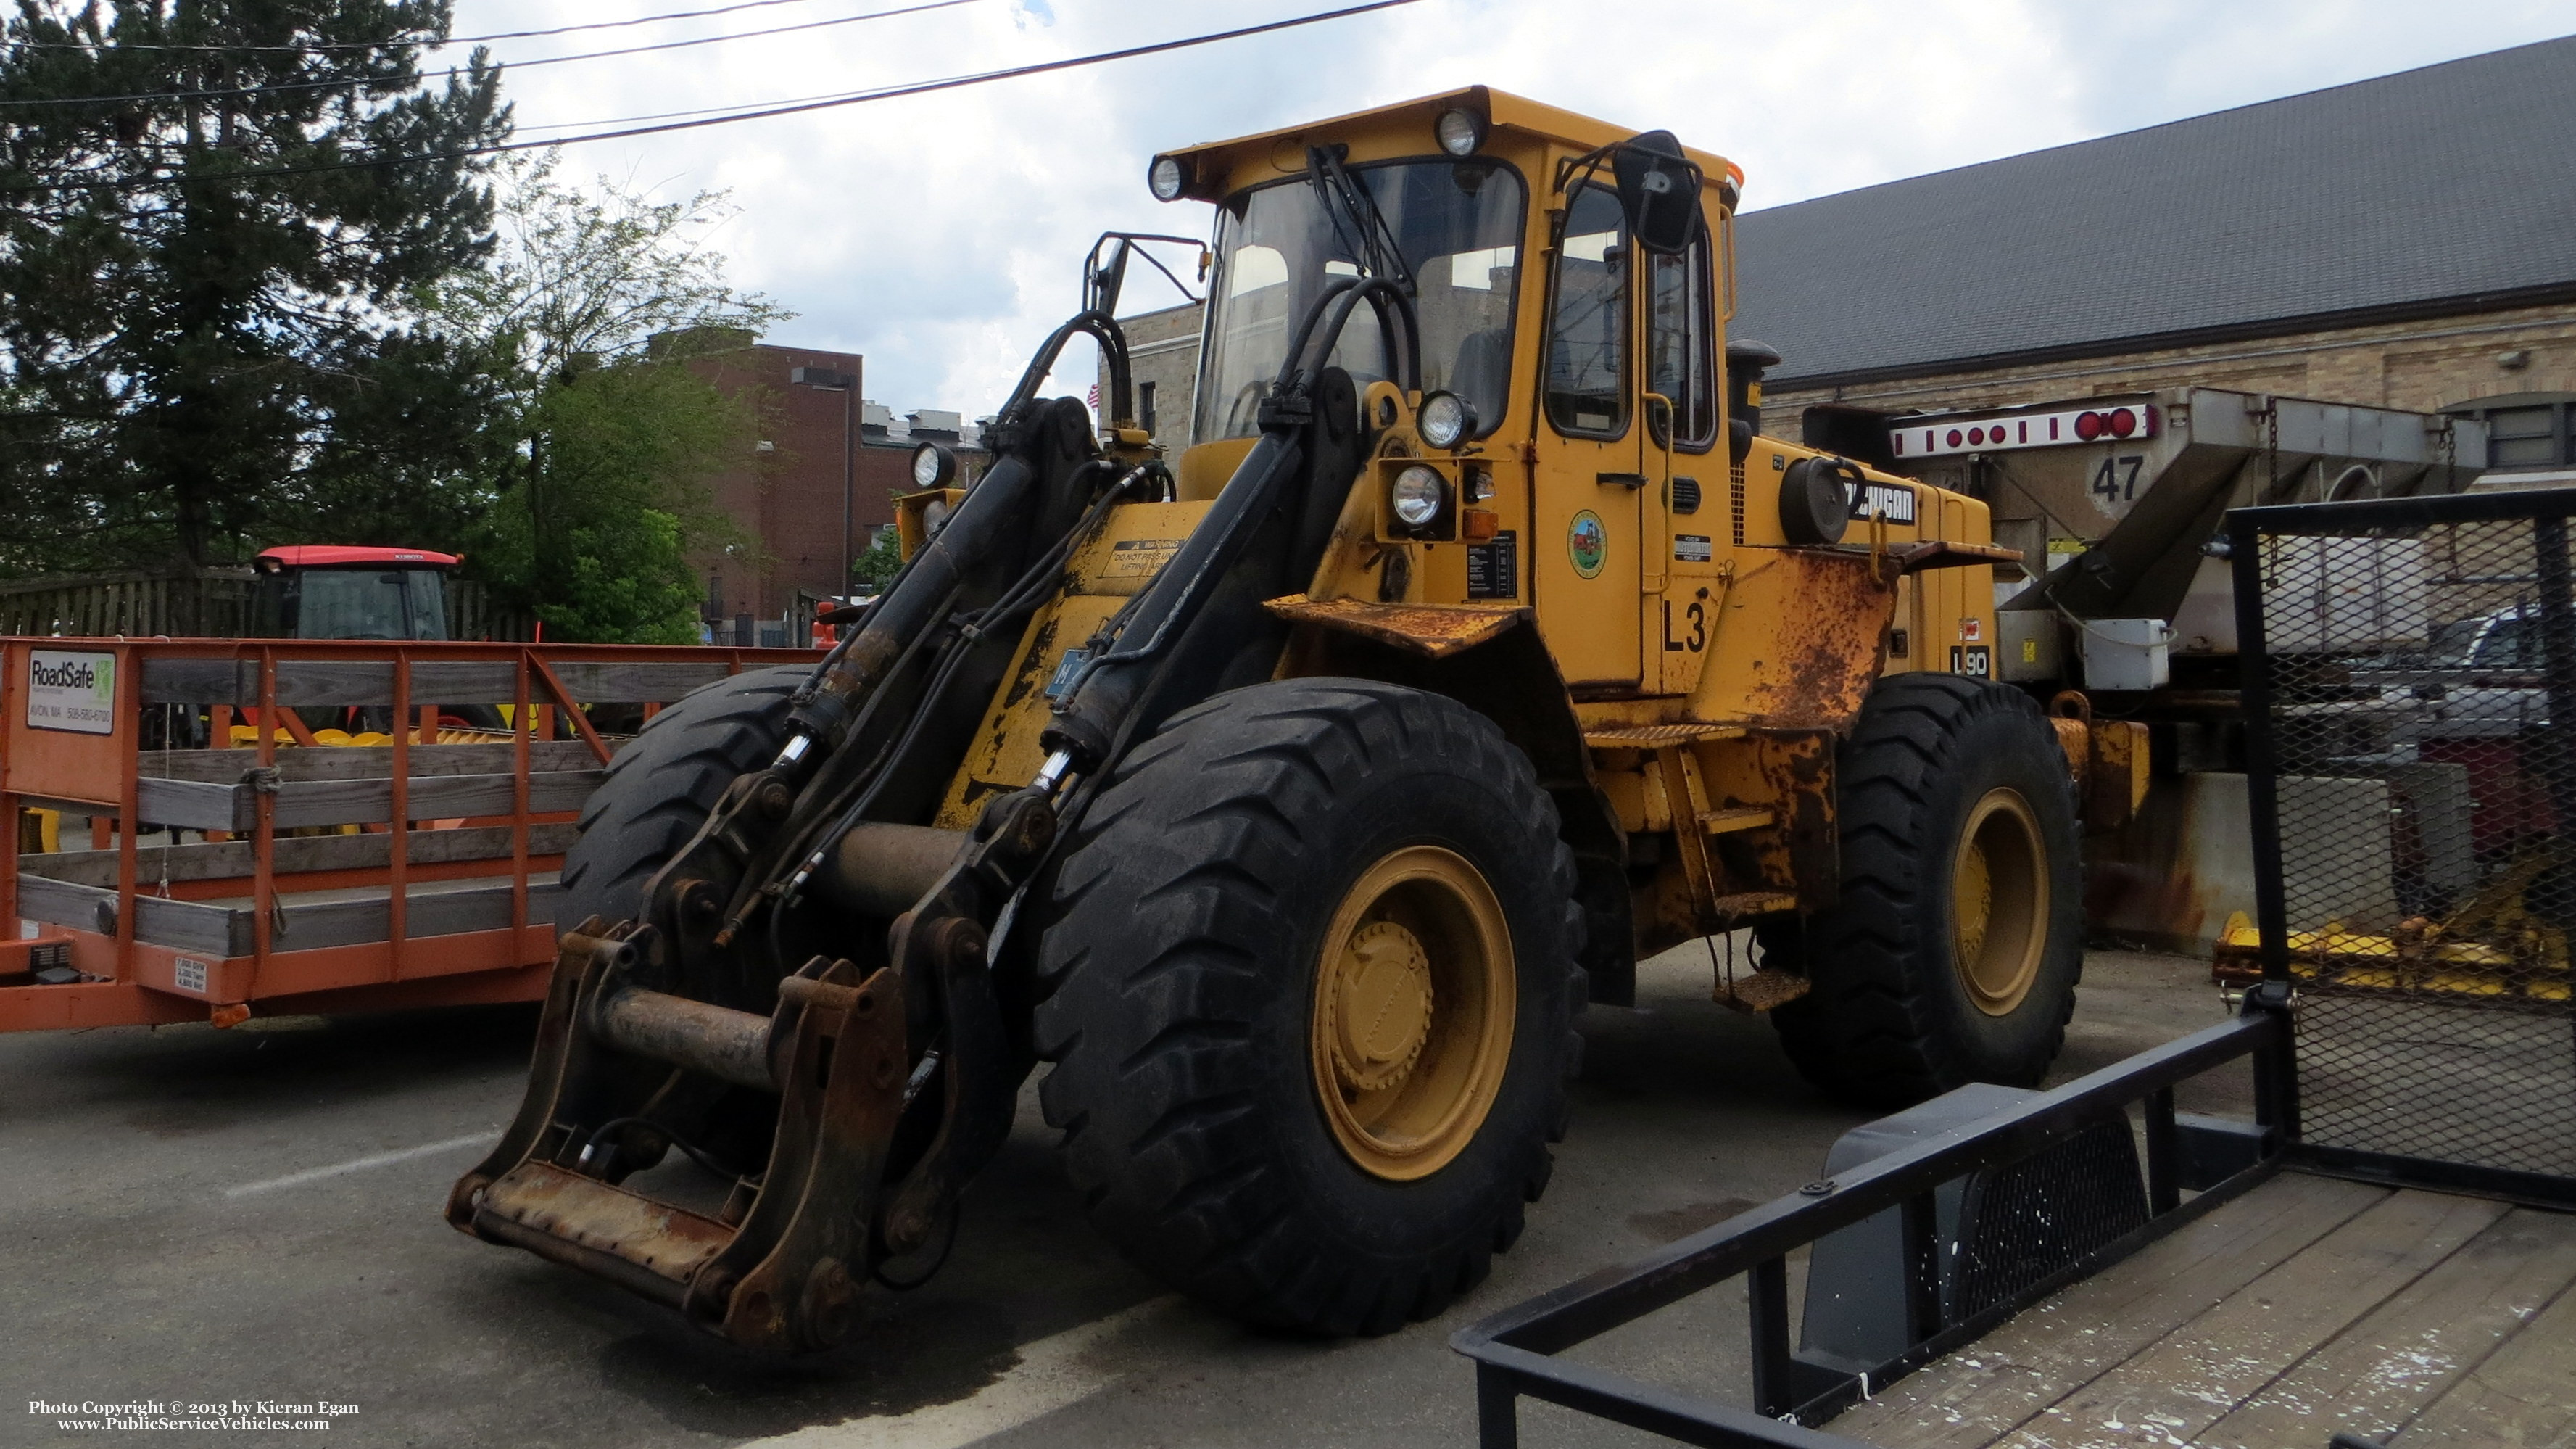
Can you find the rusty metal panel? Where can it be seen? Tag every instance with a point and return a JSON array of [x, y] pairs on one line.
[[1434, 631], [2172, 877], [1664, 910], [1637, 806], [2115, 776], [1802, 638], [1004, 752], [1754, 833], [1791, 775], [668, 1242], [2075, 742]]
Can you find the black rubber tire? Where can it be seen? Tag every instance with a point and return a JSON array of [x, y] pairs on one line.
[[1177, 981], [662, 784], [1888, 1022]]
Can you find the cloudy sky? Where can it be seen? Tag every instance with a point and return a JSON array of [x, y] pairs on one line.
[[941, 235]]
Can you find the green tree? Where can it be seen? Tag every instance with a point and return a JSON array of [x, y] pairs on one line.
[[221, 218], [877, 566], [590, 314], [595, 538]]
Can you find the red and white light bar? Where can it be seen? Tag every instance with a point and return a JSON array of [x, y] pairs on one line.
[[2114, 423]]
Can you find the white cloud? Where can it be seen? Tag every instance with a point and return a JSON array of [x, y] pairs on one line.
[[942, 235]]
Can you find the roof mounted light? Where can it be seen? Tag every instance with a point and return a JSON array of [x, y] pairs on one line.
[[1445, 419], [932, 466], [1169, 176], [1461, 131]]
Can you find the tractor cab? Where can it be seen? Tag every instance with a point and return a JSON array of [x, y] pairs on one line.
[[336, 591]]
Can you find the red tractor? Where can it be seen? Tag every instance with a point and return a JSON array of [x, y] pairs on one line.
[[346, 591]]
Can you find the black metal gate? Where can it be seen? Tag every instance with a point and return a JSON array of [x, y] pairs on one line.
[[2410, 710], [2409, 692]]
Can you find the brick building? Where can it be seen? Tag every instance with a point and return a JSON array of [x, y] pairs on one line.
[[2407, 241], [2401, 242], [786, 494]]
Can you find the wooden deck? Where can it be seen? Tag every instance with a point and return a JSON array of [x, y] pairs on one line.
[[2307, 1307]]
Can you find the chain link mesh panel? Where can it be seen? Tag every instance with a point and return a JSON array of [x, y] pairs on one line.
[[2421, 713]]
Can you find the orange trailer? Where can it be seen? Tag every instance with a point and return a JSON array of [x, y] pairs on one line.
[[283, 884]]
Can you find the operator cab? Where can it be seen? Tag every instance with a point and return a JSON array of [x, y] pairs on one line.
[[1569, 282], [334, 591]]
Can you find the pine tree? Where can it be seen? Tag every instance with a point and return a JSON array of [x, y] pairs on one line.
[[216, 217]]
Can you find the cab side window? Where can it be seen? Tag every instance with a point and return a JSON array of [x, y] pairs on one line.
[[1680, 351], [1587, 354]]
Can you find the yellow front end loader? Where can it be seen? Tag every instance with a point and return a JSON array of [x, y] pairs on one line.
[[1292, 796]]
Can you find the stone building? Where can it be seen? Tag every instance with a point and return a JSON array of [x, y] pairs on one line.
[[2407, 241], [785, 496]]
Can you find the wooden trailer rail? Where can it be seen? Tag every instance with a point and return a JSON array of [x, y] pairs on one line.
[[300, 877]]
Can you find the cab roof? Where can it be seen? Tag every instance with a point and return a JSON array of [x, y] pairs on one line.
[[1214, 164], [344, 556]]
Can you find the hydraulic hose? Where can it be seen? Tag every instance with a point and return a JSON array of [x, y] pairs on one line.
[[1094, 709], [1086, 722], [992, 510]]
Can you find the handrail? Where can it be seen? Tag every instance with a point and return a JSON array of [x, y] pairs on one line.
[[1515, 1349], [2351, 515]]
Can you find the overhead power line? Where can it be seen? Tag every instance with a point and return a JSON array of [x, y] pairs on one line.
[[364, 82], [314, 47], [915, 88]]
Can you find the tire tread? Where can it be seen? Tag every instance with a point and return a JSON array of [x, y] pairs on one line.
[[1152, 966], [1866, 1032]]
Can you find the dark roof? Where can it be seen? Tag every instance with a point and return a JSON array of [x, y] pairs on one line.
[[2446, 189]]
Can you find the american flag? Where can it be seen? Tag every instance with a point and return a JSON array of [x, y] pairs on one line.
[[1095, 397]]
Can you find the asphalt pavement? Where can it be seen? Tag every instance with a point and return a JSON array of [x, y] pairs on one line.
[[247, 1217]]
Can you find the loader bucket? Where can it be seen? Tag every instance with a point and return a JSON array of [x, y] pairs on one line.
[[778, 1270]]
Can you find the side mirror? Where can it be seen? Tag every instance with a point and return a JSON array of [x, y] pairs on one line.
[[1103, 281], [1659, 189]]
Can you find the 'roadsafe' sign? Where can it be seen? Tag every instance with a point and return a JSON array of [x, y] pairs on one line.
[[74, 692]]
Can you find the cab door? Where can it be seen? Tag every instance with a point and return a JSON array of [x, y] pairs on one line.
[[1689, 531], [1587, 539]]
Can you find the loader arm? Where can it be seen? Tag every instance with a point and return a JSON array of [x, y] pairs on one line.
[[816, 943]]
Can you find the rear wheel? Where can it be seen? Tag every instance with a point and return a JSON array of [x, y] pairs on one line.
[[1954, 950], [1309, 988]]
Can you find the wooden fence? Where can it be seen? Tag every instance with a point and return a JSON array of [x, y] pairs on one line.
[[214, 604]]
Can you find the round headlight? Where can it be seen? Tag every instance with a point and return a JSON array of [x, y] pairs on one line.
[[1167, 176], [1445, 420], [1460, 132], [932, 466], [1419, 494]]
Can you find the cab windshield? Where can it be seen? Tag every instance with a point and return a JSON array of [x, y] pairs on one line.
[[1457, 225], [353, 603]]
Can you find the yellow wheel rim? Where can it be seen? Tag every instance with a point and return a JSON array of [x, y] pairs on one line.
[[1999, 902], [1412, 1022]]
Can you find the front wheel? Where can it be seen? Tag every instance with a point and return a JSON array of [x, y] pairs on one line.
[[1309, 988]]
